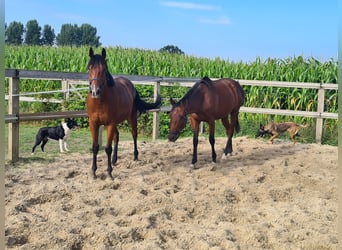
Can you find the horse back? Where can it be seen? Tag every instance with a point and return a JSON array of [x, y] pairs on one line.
[[215, 99], [228, 93], [125, 87]]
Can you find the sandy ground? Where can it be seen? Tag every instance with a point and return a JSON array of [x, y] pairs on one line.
[[263, 197]]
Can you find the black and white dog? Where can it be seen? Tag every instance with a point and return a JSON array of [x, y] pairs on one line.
[[60, 133]]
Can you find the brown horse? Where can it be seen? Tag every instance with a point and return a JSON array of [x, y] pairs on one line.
[[208, 101], [110, 102]]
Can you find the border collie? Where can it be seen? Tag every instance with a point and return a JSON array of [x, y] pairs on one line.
[[59, 133]]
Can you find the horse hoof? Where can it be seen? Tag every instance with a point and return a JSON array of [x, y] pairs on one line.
[[110, 177], [224, 156], [194, 166], [93, 175]]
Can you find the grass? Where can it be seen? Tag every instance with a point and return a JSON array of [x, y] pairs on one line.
[[80, 141]]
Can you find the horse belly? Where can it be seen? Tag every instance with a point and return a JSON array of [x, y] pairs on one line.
[[217, 110]]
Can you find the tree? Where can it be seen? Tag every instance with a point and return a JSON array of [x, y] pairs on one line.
[[33, 34], [66, 36], [48, 35], [89, 35], [14, 33], [72, 35], [171, 49]]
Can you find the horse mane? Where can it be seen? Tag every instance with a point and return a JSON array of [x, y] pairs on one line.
[[110, 79], [205, 80], [98, 60]]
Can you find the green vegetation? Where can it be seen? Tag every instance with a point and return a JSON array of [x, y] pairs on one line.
[[79, 141], [155, 63]]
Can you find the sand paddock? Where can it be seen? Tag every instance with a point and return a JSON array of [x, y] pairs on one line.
[[263, 197]]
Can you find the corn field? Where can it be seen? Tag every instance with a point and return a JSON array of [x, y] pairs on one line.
[[153, 63]]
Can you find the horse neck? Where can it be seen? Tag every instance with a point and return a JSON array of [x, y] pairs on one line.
[[189, 106], [196, 99]]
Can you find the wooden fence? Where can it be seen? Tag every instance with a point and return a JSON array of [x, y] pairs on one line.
[[69, 80]]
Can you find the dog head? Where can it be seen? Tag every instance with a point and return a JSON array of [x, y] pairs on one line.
[[71, 124], [261, 131]]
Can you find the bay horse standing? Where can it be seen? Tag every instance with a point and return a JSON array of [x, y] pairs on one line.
[[208, 101], [109, 102]]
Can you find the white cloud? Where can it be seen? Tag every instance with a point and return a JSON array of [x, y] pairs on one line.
[[188, 5], [221, 20]]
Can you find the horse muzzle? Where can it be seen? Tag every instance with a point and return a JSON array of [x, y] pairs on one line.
[[95, 89], [173, 137], [95, 92]]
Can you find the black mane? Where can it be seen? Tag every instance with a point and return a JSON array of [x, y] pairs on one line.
[[205, 80]]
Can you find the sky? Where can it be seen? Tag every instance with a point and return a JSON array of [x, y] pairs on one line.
[[234, 30]]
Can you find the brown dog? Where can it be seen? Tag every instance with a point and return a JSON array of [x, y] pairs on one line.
[[275, 129]]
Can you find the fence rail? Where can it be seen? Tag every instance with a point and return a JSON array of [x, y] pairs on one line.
[[68, 79]]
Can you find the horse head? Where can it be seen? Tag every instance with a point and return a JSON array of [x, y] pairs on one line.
[[97, 72], [178, 120]]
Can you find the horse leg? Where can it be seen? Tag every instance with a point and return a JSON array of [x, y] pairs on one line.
[[112, 134], [134, 126], [234, 124], [95, 136], [94, 166], [195, 128], [229, 132], [212, 140], [116, 145]]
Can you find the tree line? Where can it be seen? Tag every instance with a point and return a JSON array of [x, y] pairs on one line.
[[70, 35], [33, 34]]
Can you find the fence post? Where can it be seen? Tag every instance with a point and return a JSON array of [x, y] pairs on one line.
[[155, 129], [320, 110], [13, 127], [65, 88]]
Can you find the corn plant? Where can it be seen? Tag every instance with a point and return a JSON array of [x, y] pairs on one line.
[[153, 63]]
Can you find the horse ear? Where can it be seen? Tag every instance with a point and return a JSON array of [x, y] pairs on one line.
[[91, 52], [173, 102], [206, 79], [104, 53]]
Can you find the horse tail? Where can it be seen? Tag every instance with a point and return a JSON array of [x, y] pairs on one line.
[[241, 93], [143, 106], [237, 125]]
